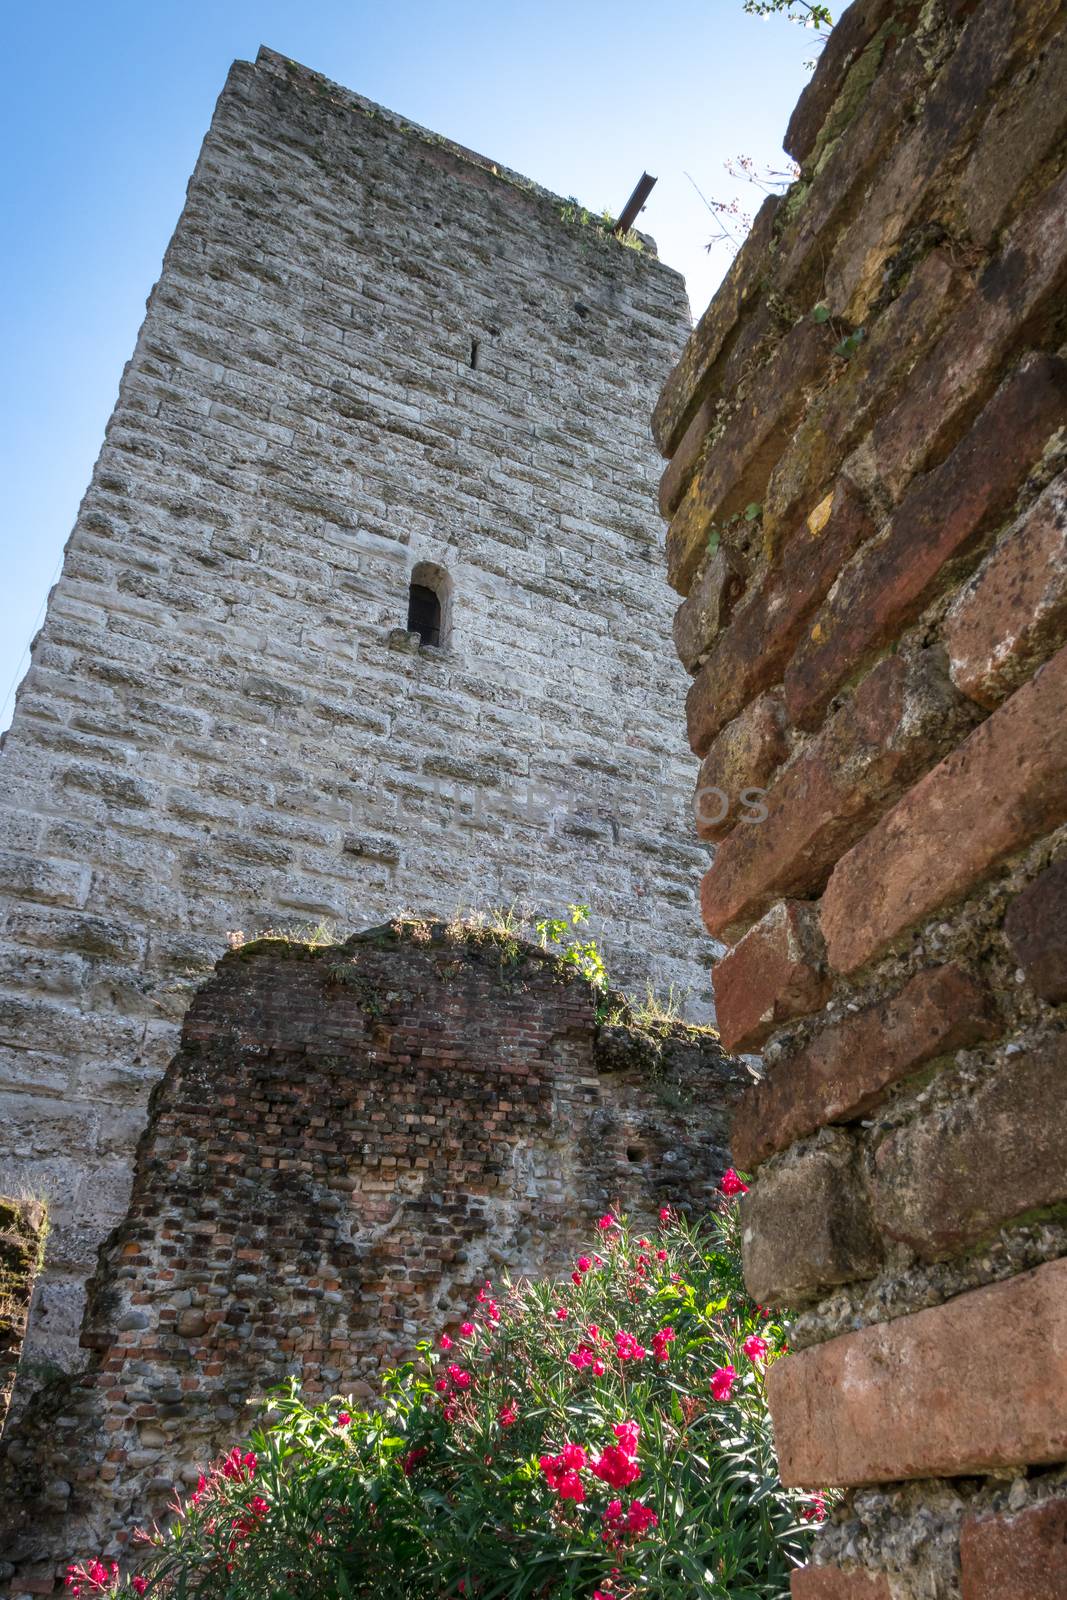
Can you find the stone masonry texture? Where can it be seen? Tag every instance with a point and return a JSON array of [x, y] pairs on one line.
[[369, 351], [867, 441], [349, 1141]]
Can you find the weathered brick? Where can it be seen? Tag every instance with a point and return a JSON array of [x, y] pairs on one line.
[[775, 973], [999, 34], [1023, 127], [851, 34], [1013, 614], [848, 1068], [806, 1226], [959, 1171], [971, 1386], [1016, 1556], [942, 520], [762, 635], [58, 883], [737, 466], [707, 608], [739, 765], [901, 718], [839, 1583], [1014, 307], [1036, 929], [866, 386], [681, 393], [846, 164], [1005, 786]]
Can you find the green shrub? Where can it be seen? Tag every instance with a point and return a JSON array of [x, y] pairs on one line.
[[606, 1439]]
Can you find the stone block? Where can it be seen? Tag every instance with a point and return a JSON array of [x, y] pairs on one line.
[[762, 635], [806, 1226], [959, 1171], [1004, 787], [736, 468], [903, 716], [1013, 613], [59, 883], [1016, 1556], [848, 1068], [775, 973], [839, 1583], [1036, 929], [681, 393], [851, 34], [707, 608], [940, 521], [739, 766], [968, 1387], [1013, 306]]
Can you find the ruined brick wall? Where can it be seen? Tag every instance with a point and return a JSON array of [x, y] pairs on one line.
[[23, 1228], [881, 384], [349, 1141], [226, 723]]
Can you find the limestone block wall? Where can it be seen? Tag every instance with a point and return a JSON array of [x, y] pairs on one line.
[[868, 521], [349, 1141], [369, 352]]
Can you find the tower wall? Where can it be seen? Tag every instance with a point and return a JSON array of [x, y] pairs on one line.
[[369, 350]]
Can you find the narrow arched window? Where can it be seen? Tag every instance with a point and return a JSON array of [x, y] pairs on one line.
[[429, 593]]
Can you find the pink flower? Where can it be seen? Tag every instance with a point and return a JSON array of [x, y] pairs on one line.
[[598, 1368], [461, 1379], [569, 1487], [562, 1472], [615, 1467], [507, 1414], [343, 1419], [627, 1433], [582, 1357], [446, 1342], [562, 1313], [411, 1460], [660, 1341], [139, 1585], [628, 1349], [584, 1263], [614, 1511], [467, 1329], [661, 1255], [665, 1214], [755, 1348], [606, 1221], [484, 1293], [576, 1277], [640, 1518], [441, 1385], [731, 1183], [816, 1510], [722, 1382]]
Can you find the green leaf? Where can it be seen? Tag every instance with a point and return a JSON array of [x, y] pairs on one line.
[[820, 312]]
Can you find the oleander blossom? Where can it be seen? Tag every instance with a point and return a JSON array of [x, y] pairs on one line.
[[732, 1184], [722, 1382], [755, 1348]]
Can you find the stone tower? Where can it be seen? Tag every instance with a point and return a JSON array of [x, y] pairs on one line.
[[363, 610]]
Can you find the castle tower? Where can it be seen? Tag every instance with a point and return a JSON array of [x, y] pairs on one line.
[[363, 610]]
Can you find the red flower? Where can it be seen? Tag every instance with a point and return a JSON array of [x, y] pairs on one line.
[[606, 1221], [816, 1510], [755, 1348], [507, 1414], [484, 1293], [628, 1349], [722, 1382], [139, 1585], [582, 1357], [627, 1433], [576, 1277], [343, 1419], [466, 1329], [584, 1263], [615, 1467], [598, 1368], [562, 1313], [446, 1342], [239, 1466], [660, 1341], [562, 1472], [731, 1183], [640, 1518], [665, 1214], [661, 1255], [461, 1379], [411, 1460]]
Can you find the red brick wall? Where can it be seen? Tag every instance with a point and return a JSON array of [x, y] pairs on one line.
[[883, 651], [349, 1141]]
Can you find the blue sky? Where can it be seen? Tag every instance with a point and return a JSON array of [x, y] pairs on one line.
[[105, 106]]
